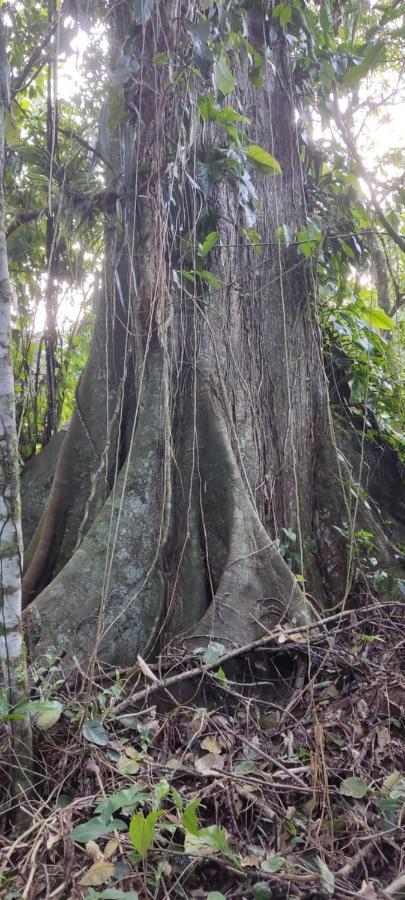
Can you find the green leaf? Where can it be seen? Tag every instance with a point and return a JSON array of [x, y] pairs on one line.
[[377, 318], [208, 840], [189, 819], [11, 132], [375, 53], [285, 234], [113, 894], [209, 278], [131, 796], [348, 250], [260, 158], [254, 238], [290, 534], [142, 10], [285, 16], [142, 831], [94, 732], [224, 80], [273, 864], [95, 828], [46, 712], [283, 13], [213, 653], [208, 243], [215, 895], [227, 116], [353, 787], [189, 276]]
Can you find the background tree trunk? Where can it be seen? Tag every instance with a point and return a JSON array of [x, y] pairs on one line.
[[12, 650]]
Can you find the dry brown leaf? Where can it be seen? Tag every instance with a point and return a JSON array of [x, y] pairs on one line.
[[250, 861], [52, 840], [133, 754], [98, 874], [146, 670], [210, 762], [110, 848], [93, 851], [210, 745]]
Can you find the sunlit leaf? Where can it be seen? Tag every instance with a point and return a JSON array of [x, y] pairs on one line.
[[142, 831], [189, 819], [208, 243], [264, 160]]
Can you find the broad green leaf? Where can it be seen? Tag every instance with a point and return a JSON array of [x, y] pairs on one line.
[[215, 895], [324, 20], [224, 80], [228, 116], [142, 831], [142, 10], [348, 250], [375, 53], [377, 318], [49, 715], [189, 819], [208, 243], [11, 132], [208, 840], [95, 828], [285, 16], [131, 796], [95, 733], [273, 864], [213, 653], [46, 712], [353, 787], [283, 13], [264, 160]]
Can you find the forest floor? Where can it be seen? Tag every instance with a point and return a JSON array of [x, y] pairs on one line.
[[223, 790]]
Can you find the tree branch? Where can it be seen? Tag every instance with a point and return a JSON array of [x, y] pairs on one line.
[[22, 218], [351, 146], [199, 671]]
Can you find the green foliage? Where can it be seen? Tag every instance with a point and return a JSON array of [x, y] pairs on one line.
[[142, 831]]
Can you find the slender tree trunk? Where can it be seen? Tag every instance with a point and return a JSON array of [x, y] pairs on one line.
[[52, 251], [12, 648]]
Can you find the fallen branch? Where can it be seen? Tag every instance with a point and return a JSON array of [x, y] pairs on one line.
[[268, 639]]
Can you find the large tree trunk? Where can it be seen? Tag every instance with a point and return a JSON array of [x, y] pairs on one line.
[[226, 423]]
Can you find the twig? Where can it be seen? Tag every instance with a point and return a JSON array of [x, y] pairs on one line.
[[396, 885]]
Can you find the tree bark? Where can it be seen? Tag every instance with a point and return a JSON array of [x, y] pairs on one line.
[[232, 439], [12, 650]]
